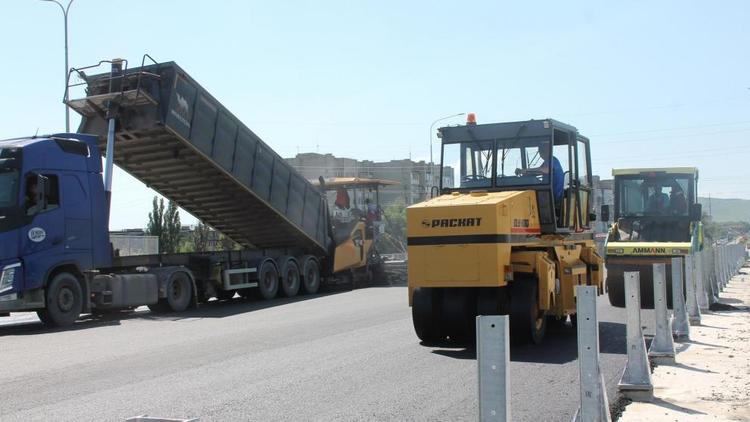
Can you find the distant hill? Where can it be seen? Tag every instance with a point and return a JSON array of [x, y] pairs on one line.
[[724, 210]]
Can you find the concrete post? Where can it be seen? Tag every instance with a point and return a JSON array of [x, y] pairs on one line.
[[725, 265], [635, 382], [717, 271], [594, 404], [694, 312], [680, 326], [708, 265], [493, 364], [700, 291], [714, 294], [662, 346], [722, 273]]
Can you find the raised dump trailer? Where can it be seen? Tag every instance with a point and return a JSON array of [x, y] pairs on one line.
[[163, 128], [179, 140]]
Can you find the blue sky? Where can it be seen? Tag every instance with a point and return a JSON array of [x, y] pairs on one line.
[[650, 83]]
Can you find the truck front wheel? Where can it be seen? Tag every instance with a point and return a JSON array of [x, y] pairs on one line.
[[64, 301]]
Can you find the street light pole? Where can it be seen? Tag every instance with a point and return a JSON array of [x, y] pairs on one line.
[[65, 18], [432, 126]]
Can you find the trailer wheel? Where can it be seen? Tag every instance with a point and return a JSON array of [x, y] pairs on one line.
[[64, 301], [311, 276], [179, 292], [290, 278], [527, 322], [268, 280], [425, 314]]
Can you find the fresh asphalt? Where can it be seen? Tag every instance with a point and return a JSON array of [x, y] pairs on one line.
[[348, 355]]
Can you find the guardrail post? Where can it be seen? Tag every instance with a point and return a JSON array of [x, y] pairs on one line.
[[680, 326], [493, 364], [594, 404], [662, 346], [700, 291], [691, 301], [635, 382]]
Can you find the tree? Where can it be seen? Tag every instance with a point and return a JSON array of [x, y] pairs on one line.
[[395, 216], [199, 237], [165, 224], [227, 244]]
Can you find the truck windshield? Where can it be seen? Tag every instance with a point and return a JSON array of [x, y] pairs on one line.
[[485, 164], [661, 195]]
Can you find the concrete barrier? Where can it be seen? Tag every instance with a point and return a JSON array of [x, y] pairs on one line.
[[691, 299], [635, 382], [493, 364], [680, 325], [662, 346], [594, 404], [700, 291]]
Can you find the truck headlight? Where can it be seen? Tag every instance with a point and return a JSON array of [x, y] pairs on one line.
[[6, 279]]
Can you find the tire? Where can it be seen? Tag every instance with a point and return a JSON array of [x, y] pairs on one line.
[[290, 278], [311, 276], [492, 301], [179, 292], [527, 323], [425, 314], [268, 281], [458, 309], [616, 291], [64, 301], [225, 294]]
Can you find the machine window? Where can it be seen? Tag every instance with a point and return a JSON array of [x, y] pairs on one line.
[[654, 196], [523, 162], [474, 161]]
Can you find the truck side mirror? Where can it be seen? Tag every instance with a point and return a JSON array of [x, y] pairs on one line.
[[605, 213], [696, 212]]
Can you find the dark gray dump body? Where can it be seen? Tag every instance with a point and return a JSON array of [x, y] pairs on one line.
[[177, 139]]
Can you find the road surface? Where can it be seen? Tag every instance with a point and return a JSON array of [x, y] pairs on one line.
[[350, 355]]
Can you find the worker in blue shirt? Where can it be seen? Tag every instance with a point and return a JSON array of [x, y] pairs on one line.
[[558, 176]]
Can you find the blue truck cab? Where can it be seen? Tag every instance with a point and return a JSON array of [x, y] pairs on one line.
[[53, 224]]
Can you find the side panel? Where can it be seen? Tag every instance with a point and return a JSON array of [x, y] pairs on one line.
[[181, 106]]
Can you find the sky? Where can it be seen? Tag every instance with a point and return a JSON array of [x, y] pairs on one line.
[[650, 83]]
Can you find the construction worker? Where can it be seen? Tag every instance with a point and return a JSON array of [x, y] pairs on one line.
[[342, 199], [677, 201], [558, 175], [32, 198]]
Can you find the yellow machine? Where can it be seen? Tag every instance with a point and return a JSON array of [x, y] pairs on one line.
[[657, 217], [354, 207], [509, 233]]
